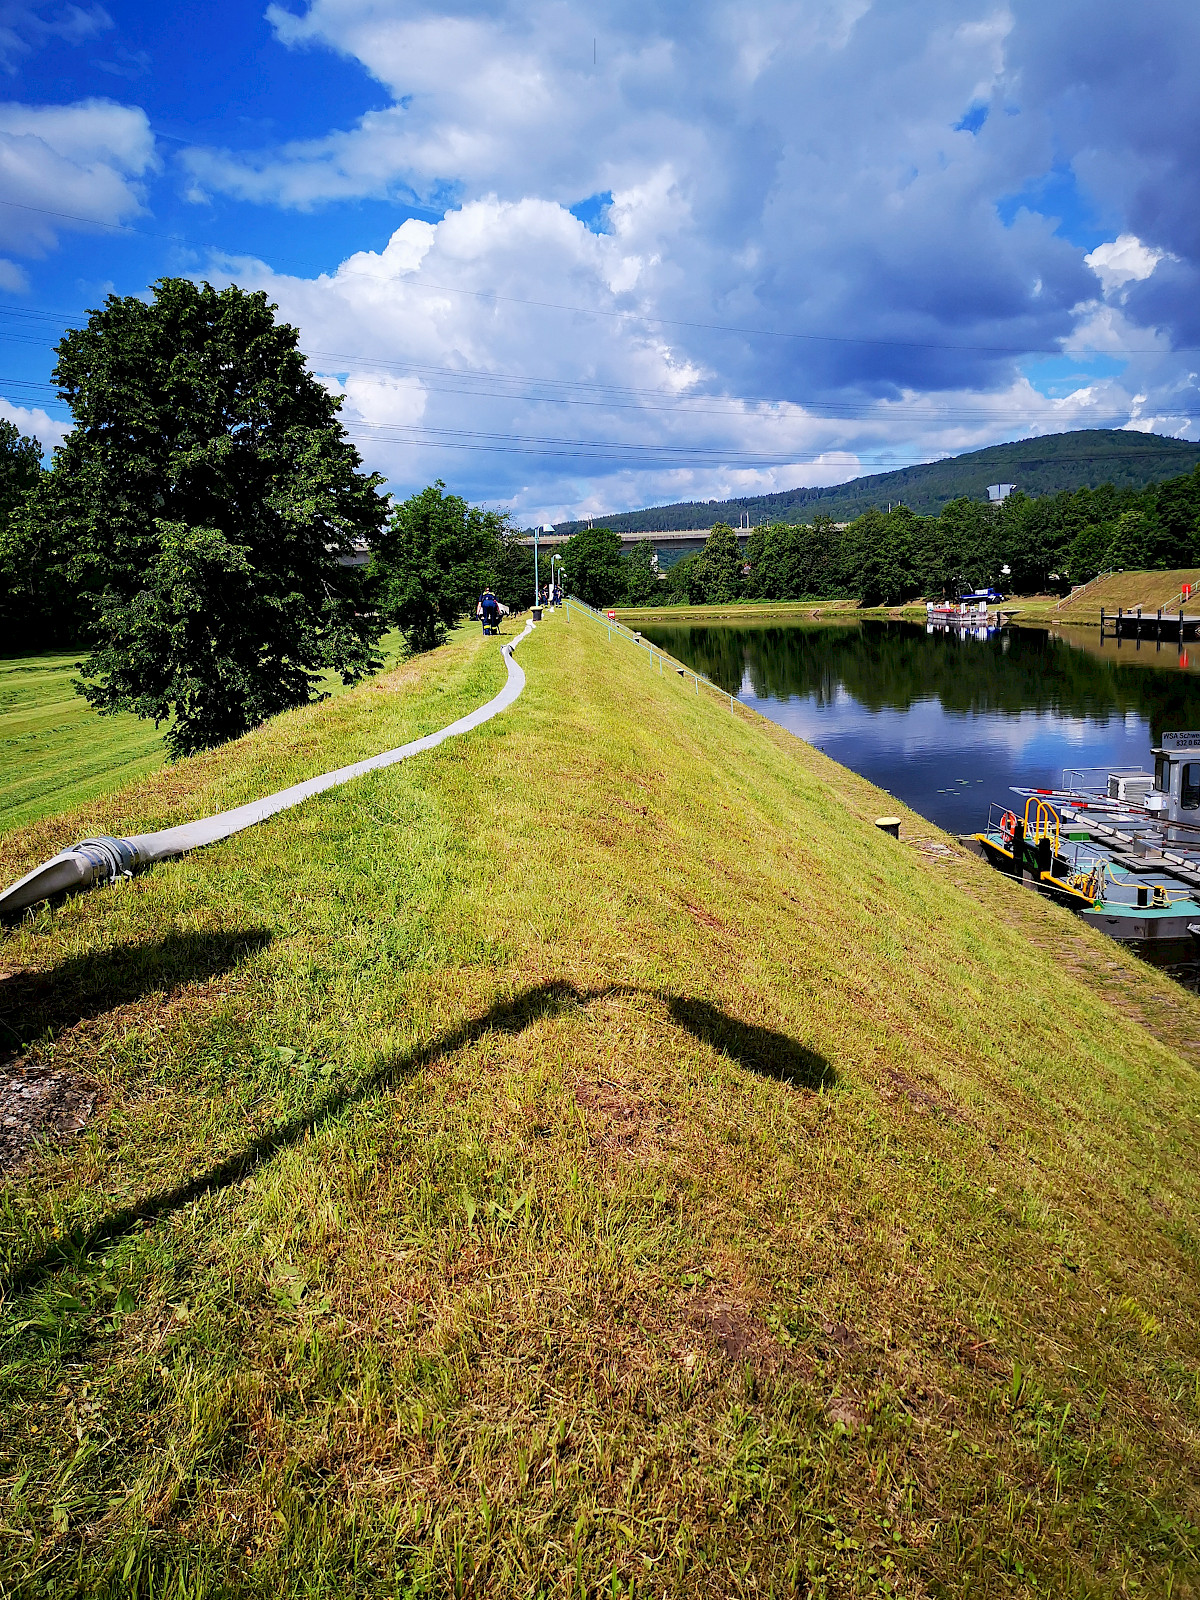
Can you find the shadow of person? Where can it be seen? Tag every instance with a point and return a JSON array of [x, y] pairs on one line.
[[759, 1049], [762, 1050], [512, 1015], [36, 1004]]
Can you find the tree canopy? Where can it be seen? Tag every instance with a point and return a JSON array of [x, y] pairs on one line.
[[20, 469], [1020, 545], [642, 583], [431, 564], [594, 568], [193, 518]]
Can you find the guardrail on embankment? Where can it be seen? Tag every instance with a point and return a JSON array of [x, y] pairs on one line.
[[622, 632], [1082, 589]]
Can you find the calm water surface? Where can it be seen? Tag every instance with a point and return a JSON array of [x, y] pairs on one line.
[[944, 723]]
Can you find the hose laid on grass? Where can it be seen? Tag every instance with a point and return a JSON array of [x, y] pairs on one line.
[[105, 860]]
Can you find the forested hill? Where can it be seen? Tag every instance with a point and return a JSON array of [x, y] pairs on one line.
[[1086, 458]]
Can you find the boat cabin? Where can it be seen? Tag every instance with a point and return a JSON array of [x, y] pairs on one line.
[[1175, 796]]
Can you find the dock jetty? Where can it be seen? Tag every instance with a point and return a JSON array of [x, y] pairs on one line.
[[1158, 625]]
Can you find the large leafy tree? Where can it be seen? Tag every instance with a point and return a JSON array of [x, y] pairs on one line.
[[721, 564], [685, 581], [512, 573], [20, 469], [887, 544], [196, 513], [432, 562], [594, 568], [643, 586]]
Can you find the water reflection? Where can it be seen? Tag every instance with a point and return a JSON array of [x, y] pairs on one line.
[[947, 723]]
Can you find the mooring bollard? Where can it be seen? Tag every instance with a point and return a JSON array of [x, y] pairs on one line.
[[889, 825]]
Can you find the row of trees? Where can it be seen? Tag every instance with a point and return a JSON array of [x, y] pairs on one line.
[[1022, 546], [194, 528]]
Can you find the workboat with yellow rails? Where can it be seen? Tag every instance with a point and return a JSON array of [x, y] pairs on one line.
[[1121, 847]]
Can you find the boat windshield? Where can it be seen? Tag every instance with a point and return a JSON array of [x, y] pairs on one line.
[[1162, 774]]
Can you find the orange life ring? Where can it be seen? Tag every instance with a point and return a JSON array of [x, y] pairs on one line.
[[1008, 826]]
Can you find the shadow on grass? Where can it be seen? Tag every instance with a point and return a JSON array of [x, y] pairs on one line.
[[758, 1049], [762, 1050], [34, 1005], [509, 1016]]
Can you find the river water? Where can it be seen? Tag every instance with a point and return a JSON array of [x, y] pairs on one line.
[[948, 723]]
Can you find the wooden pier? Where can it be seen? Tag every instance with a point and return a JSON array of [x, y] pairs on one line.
[[1160, 625]]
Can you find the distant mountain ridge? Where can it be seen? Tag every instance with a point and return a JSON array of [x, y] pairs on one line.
[[1085, 458]]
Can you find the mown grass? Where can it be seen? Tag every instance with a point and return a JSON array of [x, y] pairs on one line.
[[57, 753], [590, 1159], [750, 610], [1128, 590]]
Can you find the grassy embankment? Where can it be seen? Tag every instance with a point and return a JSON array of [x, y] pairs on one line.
[[56, 752], [1023, 608], [590, 1158], [1128, 590]]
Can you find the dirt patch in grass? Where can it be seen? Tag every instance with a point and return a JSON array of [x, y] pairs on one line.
[[622, 1119], [40, 1102], [897, 1086], [934, 850], [846, 1409], [734, 1330], [706, 917]]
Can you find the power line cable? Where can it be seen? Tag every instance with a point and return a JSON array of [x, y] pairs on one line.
[[615, 313]]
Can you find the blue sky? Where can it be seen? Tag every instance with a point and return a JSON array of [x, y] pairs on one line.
[[574, 260]]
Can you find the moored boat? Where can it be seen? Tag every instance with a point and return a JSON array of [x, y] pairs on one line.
[[1123, 852]]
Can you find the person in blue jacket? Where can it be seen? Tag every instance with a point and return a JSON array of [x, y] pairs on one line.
[[489, 610]]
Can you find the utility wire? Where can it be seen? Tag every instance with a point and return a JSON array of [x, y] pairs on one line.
[[617, 314], [484, 384]]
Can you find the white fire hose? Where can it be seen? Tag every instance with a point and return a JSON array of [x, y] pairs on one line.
[[105, 860]]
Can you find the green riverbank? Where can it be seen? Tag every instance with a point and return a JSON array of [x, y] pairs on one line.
[[588, 1157]]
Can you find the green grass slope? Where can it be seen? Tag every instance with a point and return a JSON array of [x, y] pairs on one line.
[[1127, 591], [589, 1158], [1085, 458], [54, 750]]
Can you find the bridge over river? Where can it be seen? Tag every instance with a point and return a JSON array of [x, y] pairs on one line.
[[669, 547]]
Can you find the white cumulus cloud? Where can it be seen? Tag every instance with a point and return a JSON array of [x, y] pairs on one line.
[[1124, 260], [492, 349], [830, 230], [35, 424], [64, 166]]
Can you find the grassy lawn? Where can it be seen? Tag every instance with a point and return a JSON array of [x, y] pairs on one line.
[[54, 750], [754, 611], [1128, 590], [589, 1159], [56, 753]]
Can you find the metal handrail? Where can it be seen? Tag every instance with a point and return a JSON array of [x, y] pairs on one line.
[[644, 644], [1041, 821]]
